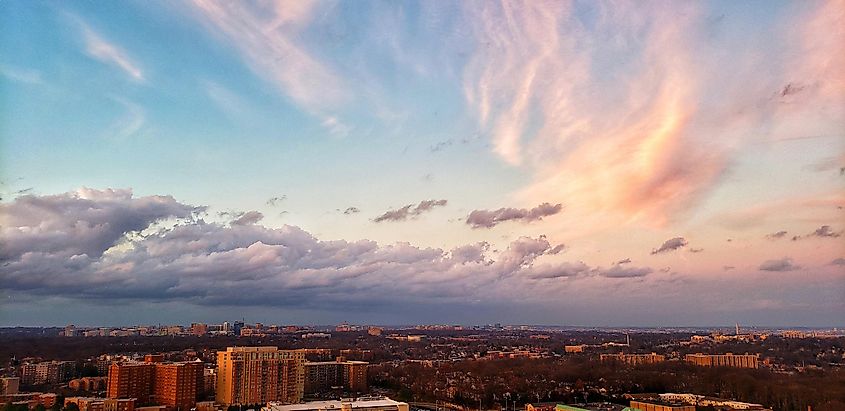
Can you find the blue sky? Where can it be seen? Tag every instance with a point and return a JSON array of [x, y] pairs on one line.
[[716, 123]]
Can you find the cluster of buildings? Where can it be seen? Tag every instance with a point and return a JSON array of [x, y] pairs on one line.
[[10, 394], [47, 372], [633, 359], [518, 353], [258, 375], [176, 385]]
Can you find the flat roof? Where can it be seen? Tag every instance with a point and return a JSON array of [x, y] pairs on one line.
[[334, 404]]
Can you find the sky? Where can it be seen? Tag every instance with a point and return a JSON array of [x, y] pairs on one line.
[[453, 162]]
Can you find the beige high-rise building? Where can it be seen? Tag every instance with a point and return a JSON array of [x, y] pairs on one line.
[[257, 375]]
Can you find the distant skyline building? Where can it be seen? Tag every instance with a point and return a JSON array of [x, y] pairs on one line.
[[258, 375]]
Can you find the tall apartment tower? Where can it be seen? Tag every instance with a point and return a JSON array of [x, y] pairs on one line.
[[257, 375], [132, 380], [176, 384]]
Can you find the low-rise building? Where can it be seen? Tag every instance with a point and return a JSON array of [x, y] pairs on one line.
[[88, 384], [723, 360], [347, 404], [101, 404]]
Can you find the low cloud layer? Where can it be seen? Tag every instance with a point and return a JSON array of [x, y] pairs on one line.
[[783, 264], [86, 245], [408, 211], [670, 245], [490, 218]]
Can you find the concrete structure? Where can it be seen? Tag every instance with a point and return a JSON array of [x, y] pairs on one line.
[[347, 404], [9, 385], [724, 360], [634, 359], [258, 375], [101, 404]]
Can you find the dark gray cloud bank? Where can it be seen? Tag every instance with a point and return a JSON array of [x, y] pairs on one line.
[[490, 218]]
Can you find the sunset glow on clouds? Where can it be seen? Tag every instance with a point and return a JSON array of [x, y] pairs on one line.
[[539, 162]]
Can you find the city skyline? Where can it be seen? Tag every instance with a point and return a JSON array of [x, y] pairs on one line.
[[560, 163]]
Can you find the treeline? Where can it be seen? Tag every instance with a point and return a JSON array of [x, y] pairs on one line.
[[574, 379]]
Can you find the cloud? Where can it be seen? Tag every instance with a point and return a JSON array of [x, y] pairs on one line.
[[822, 232], [557, 249], [130, 124], [490, 218], [351, 210], [838, 261], [777, 235], [268, 36], [783, 264], [109, 53], [633, 140], [621, 271], [274, 201], [670, 245], [562, 270], [825, 231], [440, 146], [80, 224], [247, 218], [21, 75], [402, 214], [80, 245]]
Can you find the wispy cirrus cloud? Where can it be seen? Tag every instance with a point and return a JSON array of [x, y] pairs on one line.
[[618, 115], [109, 52], [267, 36]]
